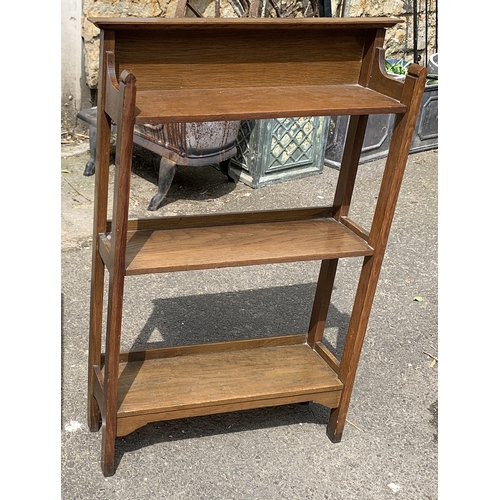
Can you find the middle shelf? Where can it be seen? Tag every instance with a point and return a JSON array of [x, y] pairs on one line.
[[228, 240]]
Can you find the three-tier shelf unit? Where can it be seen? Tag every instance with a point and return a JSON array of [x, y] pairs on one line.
[[188, 70]]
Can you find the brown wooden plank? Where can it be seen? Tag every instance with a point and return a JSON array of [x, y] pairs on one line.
[[349, 165], [113, 101], [345, 186], [178, 24], [374, 41], [330, 359], [222, 378], [245, 244], [381, 81], [321, 303], [161, 106], [98, 387], [127, 424], [123, 166], [221, 219], [236, 345], [232, 58], [379, 233], [355, 227], [101, 187]]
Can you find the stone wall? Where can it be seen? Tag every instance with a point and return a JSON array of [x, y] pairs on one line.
[[132, 8], [399, 40]]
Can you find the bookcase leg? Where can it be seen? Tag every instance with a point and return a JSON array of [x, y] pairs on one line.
[[111, 369], [322, 298], [95, 339], [354, 342], [123, 166], [335, 426], [384, 212], [98, 269], [108, 451]]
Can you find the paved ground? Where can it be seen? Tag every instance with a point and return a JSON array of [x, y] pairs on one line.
[[389, 447]]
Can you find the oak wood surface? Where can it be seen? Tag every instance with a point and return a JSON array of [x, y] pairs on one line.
[[157, 70], [144, 23], [226, 218], [239, 58], [378, 236], [99, 224], [330, 359], [355, 227], [127, 424], [324, 288], [187, 350], [222, 69], [183, 249], [123, 165], [216, 378], [208, 104]]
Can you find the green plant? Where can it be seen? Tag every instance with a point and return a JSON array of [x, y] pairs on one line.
[[400, 67], [431, 79], [396, 68]]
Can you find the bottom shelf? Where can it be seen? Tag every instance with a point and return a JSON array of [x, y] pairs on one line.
[[165, 384]]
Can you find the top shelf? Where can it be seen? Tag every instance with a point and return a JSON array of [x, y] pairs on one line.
[[249, 103], [235, 69], [144, 23]]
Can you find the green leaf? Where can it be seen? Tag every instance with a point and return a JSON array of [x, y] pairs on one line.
[[398, 68], [418, 298]]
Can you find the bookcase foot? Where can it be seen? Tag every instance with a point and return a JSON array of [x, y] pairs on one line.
[[107, 452], [335, 427]]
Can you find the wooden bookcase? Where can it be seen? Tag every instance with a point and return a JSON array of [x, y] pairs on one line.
[[179, 70]]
